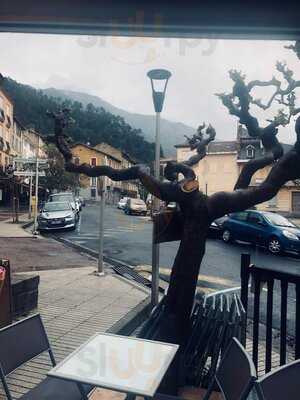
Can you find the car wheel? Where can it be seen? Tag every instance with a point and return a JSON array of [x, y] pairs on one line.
[[226, 236], [274, 245]]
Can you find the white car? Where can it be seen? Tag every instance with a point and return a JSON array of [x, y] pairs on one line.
[[65, 197], [122, 203], [57, 215], [135, 206]]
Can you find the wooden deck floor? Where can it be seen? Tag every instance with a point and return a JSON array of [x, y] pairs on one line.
[[75, 304]]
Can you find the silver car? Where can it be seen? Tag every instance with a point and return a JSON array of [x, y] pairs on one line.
[[65, 197], [57, 215]]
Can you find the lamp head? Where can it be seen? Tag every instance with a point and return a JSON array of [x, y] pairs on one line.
[[159, 80]]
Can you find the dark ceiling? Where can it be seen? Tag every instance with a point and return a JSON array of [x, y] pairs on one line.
[[217, 18]]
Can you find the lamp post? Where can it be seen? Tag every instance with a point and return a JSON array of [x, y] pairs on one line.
[[35, 232], [101, 185], [159, 79]]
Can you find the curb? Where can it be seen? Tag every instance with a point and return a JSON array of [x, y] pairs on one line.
[[27, 224], [133, 319], [78, 247]]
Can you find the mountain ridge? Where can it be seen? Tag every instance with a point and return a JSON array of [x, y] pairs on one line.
[[171, 132]]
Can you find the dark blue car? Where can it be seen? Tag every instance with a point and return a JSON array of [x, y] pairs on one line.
[[266, 229]]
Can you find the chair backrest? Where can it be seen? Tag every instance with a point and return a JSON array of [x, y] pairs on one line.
[[22, 341], [283, 383], [236, 373]]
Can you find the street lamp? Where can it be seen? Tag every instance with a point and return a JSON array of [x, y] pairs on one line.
[[159, 79]]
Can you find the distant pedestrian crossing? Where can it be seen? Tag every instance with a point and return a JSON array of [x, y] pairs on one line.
[[108, 232]]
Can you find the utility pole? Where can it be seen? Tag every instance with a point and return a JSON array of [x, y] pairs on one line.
[[30, 197], [36, 188], [101, 184], [100, 271]]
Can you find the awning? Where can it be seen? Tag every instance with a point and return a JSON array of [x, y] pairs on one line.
[[154, 18]]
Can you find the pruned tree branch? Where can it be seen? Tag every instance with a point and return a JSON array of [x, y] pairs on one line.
[[197, 142], [200, 142], [287, 168], [250, 169], [238, 104], [166, 191], [295, 47]]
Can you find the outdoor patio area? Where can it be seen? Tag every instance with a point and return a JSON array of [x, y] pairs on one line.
[[74, 305]]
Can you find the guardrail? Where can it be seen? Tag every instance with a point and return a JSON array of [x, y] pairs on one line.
[[270, 277]]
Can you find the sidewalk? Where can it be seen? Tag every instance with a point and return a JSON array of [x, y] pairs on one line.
[[74, 303], [9, 229]]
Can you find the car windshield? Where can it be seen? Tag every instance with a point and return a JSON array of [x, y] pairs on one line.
[[138, 201], [50, 207], [279, 220], [62, 197]]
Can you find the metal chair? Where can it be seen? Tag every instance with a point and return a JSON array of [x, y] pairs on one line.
[[235, 375], [283, 383], [23, 341]]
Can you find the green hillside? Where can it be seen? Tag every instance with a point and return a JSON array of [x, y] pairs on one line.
[[91, 124]]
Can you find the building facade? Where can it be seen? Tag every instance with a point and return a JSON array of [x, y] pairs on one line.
[[220, 169], [6, 129], [126, 188], [103, 154], [15, 141], [33, 144]]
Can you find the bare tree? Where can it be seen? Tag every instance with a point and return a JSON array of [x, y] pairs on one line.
[[197, 210]]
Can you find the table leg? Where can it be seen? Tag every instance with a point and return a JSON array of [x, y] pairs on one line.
[[130, 397], [83, 394]]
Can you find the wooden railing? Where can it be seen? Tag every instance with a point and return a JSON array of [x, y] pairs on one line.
[[269, 278]]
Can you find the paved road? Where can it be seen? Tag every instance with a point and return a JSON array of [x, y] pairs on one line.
[[128, 238]]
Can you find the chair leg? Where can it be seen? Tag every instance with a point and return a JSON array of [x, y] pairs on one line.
[[209, 390], [130, 397], [5, 386]]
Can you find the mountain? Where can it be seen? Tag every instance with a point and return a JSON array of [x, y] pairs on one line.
[[171, 132], [90, 124]]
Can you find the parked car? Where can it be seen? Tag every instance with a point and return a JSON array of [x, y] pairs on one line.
[[57, 215], [267, 229], [65, 197], [82, 200], [216, 228], [122, 203], [135, 206]]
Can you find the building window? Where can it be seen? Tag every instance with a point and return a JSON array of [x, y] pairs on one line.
[[93, 193], [93, 161], [94, 181], [250, 151], [76, 160]]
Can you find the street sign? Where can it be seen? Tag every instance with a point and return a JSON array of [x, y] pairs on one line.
[[30, 160], [28, 173]]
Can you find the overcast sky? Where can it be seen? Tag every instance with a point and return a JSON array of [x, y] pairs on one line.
[[115, 69]]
